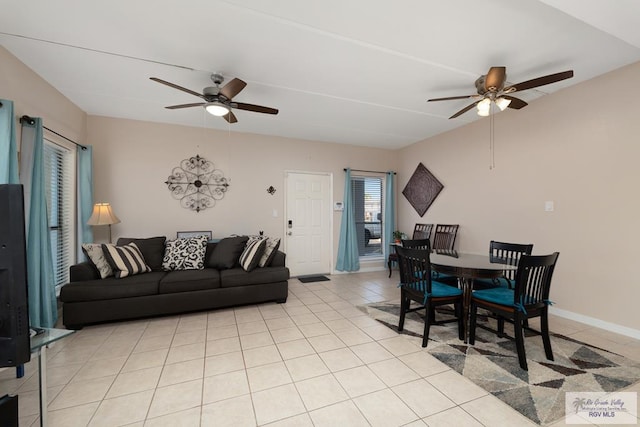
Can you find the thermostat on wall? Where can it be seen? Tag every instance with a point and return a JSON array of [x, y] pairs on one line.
[[338, 206]]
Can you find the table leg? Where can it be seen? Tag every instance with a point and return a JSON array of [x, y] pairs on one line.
[[42, 373], [466, 284]]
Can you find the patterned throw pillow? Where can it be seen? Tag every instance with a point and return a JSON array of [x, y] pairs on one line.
[[252, 252], [185, 254], [269, 251], [125, 260], [94, 252]]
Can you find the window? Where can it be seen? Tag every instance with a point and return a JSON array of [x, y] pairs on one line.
[[59, 168], [367, 204]]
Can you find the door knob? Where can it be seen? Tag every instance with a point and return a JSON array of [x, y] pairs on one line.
[[289, 233]]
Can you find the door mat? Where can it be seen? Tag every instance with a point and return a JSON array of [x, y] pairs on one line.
[[309, 279], [492, 363]]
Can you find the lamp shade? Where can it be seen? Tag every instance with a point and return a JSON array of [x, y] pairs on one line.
[[103, 215]]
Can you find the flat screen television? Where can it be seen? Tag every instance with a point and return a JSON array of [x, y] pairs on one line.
[[14, 310]]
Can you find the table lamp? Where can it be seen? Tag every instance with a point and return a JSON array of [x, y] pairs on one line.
[[103, 215]]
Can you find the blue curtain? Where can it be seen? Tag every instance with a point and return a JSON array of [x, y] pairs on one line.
[[389, 213], [42, 299], [8, 149], [85, 194], [348, 255]]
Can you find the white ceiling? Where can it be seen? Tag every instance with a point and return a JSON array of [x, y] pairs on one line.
[[346, 71]]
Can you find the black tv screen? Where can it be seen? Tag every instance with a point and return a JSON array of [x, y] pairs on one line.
[[14, 313]]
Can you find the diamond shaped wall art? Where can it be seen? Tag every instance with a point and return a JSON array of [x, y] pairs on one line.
[[422, 189]]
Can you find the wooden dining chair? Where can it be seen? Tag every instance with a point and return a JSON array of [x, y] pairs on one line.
[[422, 244], [528, 299], [504, 253], [420, 231], [416, 285], [445, 236]]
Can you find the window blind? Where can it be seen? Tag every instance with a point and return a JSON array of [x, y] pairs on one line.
[[60, 183], [367, 203]]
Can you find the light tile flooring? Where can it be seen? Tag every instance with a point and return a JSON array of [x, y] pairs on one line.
[[314, 361]]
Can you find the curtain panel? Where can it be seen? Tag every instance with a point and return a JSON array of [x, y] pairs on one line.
[[43, 311], [389, 213], [8, 148], [348, 255], [85, 196]]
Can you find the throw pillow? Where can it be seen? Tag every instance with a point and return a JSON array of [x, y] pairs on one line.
[[185, 254], [125, 260], [94, 252], [152, 249], [269, 251], [251, 255], [227, 252]]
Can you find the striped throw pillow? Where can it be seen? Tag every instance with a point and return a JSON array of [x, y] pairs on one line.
[[251, 255], [125, 260]]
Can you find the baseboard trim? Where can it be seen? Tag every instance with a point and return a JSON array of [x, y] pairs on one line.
[[598, 323]]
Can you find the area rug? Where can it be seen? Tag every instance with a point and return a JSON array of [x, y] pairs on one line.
[[310, 279], [492, 363]]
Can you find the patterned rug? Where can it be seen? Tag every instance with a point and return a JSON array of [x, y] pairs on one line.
[[492, 363]]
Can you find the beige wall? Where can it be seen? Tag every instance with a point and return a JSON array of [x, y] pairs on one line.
[[579, 148], [35, 97], [132, 159]]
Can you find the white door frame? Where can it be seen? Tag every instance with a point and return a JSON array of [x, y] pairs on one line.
[[329, 213]]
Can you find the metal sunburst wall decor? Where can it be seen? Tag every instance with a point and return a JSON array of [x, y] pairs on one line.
[[197, 184]]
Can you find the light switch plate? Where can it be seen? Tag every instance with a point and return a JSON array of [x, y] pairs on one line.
[[548, 206]]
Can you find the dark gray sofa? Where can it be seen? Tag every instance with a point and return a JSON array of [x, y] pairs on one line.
[[88, 299]]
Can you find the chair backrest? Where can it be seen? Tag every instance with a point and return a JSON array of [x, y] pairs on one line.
[[445, 236], [415, 269], [533, 279], [422, 244], [508, 253], [422, 231]]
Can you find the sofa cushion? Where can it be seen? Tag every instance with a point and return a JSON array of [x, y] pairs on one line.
[[189, 280], [250, 257], [94, 252], [111, 288], [185, 254], [125, 260], [152, 249], [238, 277], [227, 252], [273, 243]]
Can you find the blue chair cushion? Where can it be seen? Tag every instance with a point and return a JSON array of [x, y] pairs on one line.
[[441, 290], [438, 290], [501, 296]]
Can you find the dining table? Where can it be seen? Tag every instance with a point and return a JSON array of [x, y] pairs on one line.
[[466, 267]]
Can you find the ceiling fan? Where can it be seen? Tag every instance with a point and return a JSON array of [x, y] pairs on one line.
[[491, 89], [219, 100]]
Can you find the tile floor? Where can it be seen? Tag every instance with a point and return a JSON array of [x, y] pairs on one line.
[[314, 361]]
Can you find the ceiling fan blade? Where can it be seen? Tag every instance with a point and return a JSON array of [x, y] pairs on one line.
[[495, 79], [230, 117], [255, 108], [175, 86], [232, 88], [175, 107], [448, 98], [516, 103], [541, 81], [464, 110]]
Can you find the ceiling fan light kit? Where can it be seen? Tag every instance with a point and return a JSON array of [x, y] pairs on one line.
[[217, 109], [491, 89]]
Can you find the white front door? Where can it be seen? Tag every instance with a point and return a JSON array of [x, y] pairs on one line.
[[308, 223]]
